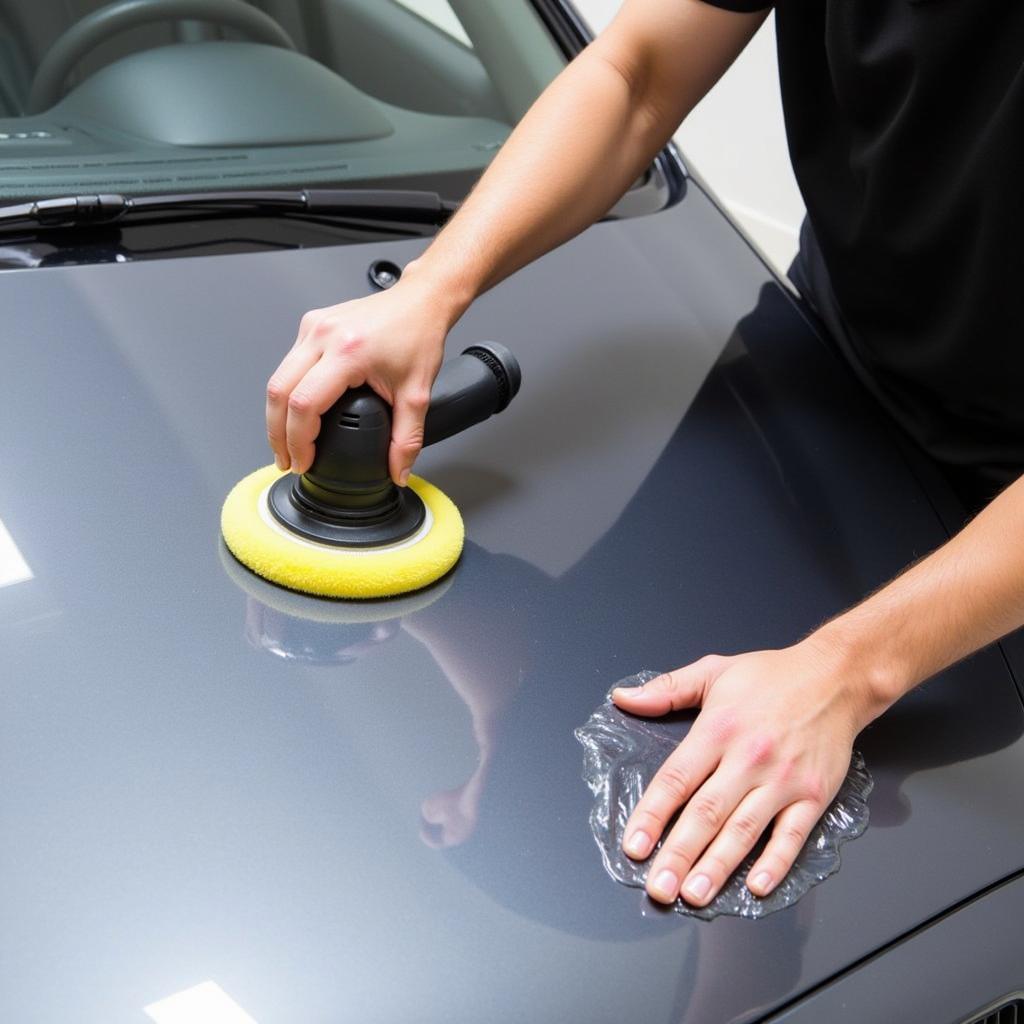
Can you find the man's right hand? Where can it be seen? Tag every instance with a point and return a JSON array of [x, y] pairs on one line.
[[610, 110], [393, 341]]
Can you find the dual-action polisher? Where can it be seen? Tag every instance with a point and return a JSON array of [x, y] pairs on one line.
[[343, 529]]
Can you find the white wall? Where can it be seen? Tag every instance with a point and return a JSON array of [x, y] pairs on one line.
[[736, 140]]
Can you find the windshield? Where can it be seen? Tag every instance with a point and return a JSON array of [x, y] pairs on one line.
[[131, 98]]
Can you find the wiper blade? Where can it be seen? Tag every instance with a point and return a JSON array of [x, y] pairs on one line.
[[397, 206]]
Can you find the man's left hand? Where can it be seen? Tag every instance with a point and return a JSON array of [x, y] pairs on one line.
[[772, 742]]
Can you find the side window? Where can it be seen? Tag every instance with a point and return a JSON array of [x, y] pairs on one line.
[[439, 14], [413, 54]]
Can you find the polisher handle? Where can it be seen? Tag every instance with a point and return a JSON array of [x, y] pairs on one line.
[[470, 389], [350, 467]]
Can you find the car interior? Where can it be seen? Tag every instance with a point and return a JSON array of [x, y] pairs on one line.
[[145, 97]]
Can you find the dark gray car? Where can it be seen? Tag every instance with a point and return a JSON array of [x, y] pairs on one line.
[[223, 798]]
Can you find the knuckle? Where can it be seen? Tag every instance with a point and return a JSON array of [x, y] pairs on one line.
[[674, 781], [411, 440], [707, 810], [813, 789], [711, 665], [321, 328], [790, 836], [299, 403], [667, 683], [350, 344], [409, 446], [275, 391], [773, 862], [417, 399], [723, 726], [647, 819], [746, 828], [715, 866], [760, 751], [678, 855]]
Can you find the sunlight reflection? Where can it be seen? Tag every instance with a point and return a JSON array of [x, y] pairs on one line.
[[206, 1003], [13, 567]]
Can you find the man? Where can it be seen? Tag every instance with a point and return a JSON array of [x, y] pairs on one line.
[[906, 128]]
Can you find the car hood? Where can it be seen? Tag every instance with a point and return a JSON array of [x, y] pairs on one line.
[[336, 811]]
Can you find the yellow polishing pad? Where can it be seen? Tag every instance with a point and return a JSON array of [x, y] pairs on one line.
[[309, 608], [257, 540]]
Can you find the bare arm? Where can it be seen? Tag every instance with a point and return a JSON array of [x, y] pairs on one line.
[[586, 139], [965, 595], [773, 739], [576, 151]]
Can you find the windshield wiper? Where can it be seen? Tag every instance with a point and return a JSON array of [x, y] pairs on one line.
[[395, 206]]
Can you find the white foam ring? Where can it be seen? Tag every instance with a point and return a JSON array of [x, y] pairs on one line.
[[332, 550]]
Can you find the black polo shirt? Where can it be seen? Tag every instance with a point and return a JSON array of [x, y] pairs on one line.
[[905, 121]]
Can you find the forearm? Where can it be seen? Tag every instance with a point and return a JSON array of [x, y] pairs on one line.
[[772, 741], [574, 153], [963, 596], [582, 144]]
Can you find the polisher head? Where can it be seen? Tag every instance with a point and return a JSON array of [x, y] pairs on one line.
[[342, 528], [260, 541]]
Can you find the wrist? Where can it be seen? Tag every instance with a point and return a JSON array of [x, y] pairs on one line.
[[448, 295], [871, 679]]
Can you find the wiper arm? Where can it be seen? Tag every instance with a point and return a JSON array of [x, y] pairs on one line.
[[405, 207]]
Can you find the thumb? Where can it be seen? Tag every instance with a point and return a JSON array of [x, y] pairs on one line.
[[408, 414], [672, 691]]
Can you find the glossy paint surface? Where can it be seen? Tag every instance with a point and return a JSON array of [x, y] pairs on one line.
[[962, 967], [377, 813]]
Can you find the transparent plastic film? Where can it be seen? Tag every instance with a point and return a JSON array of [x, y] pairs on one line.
[[621, 754]]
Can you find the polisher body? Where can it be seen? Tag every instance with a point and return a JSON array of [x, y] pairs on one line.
[[343, 529]]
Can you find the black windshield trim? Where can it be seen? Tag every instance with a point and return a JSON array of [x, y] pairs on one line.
[[388, 205]]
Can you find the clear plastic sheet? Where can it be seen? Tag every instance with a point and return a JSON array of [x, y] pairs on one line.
[[621, 754]]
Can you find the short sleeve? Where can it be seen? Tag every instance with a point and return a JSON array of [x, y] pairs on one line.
[[741, 6]]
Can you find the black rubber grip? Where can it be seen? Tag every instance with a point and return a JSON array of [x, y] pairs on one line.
[[349, 474], [470, 389]]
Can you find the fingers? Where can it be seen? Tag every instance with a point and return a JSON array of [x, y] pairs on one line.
[[792, 827], [391, 341], [677, 780], [293, 368], [737, 838], [673, 691], [314, 394], [409, 412], [702, 819]]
